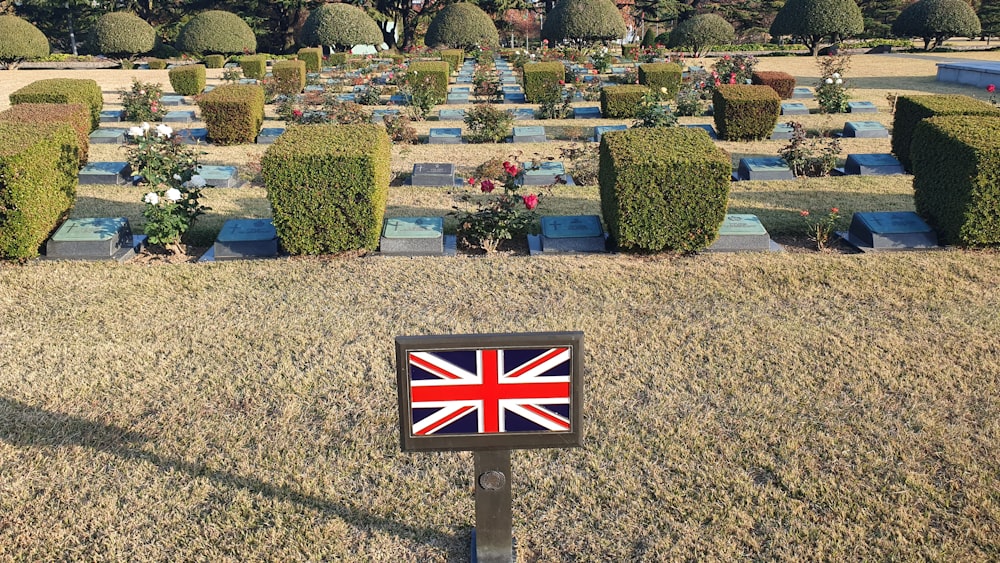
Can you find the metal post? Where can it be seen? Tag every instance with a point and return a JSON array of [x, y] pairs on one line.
[[492, 539]]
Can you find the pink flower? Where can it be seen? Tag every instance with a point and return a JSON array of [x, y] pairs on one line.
[[991, 88], [804, 213], [297, 113], [545, 41], [732, 79], [487, 186], [472, 181], [531, 201], [834, 210]]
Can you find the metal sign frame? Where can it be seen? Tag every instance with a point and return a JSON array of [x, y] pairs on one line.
[[405, 345]]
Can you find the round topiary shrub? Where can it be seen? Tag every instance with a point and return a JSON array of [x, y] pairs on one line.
[[216, 31], [814, 20], [340, 26], [19, 39], [123, 34], [937, 20], [462, 26], [584, 20], [701, 32]]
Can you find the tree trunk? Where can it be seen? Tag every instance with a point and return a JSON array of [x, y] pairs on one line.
[[410, 20], [388, 35]]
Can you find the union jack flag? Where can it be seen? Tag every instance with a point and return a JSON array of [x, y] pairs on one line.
[[490, 391]]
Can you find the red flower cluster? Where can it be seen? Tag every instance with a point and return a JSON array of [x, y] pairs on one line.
[[297, 113], [487, 186], [531, 201], [510, 169]]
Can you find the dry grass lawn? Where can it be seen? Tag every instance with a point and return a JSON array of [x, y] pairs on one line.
[[793, 406]]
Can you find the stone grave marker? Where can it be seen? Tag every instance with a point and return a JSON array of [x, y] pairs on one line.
[[412, 236], [95, 238], [112, 115], [105, 173], [433, 174], [587, 112], [348, 97], [782, 131], [794, 108], [889, 230], [861, 107], [247, 81], [706, 127], [379, 113], [451, 115], [529, 134], [514, 89], [457, 98], [802, 92], [246, 238], [107, 136], [544, 173], [742, 233], [218, 176], [318, 88], [602, 129], [865, 129], [873, 164], [445, 136], [572, 233], [401, 99], [522, 114], [513, 98], [764, 168], [172, 100], [268, 135], [179, 116], [193, 136]]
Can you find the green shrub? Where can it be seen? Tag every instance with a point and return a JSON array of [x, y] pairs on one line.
[[233, 113], [216, 31], [38, 174], [631, 50], [911, 109], [313, 57], [63, 91], [663, 188], [486, 123], [781, 82], [745, 112], [934, 21], [340, 26], [454, 58], [649, 38], [19, 39], [542, 78], [123, 35], [661, 75], [187, 80], [700, 33], [254, 66], [584, 20], [328, 186], [813, 20], [956, 166], [623, 101], [289, 76], [76, 115], [214, 61], [338, 58], [462, 25], [434, 73], [156, 64]]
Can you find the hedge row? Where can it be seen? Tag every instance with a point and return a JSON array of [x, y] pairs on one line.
[[313, 57], [76, 116], [328, 186], [156, 64], [956, 177], [214, 61], [233, 113], [745, 112], [187, 80], [540, 79], [622, 101], [663, 188], [435, 72], [911, 109], [63, 91], [289, 76], [661, 75], [781, 82], [38, 175]]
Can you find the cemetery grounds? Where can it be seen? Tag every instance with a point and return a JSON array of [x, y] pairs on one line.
[[796, 405]]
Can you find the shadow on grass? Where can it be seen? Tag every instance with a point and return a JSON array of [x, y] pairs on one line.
[[23, 425]]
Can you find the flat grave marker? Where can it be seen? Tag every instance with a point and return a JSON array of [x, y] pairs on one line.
[[193, 136], [513, 98], [587, 112], [522, 114], [861, 107], [706, 127], [889, 230], [529, 134], [93, 238], [457, 98], [218, 176], [742, 233], [240, 239], [794, 108], [268, 135], [445, 136], [451, 115], [782, 131], [172, 100], [801, 92], [600, 130], [865, 129], [179, 116], [572, 233], [412, 236], [107, 136], [544, 173], [111, 115], [764, 168], [105, 173], [433, 174], [873, 164]]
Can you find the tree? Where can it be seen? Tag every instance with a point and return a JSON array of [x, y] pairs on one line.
[[989, 18], [584, 20], [462, 25], [522, 23], [937, 20], [19, 39], [340, 26], [879, 15], [813, 20], [216, 31], [121, 34], [701, 32]]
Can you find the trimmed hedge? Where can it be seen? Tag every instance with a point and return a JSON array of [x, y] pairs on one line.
[[623, 101], [233, 113], [745, 112], [663, 188], [631, 50], [76, 116], [911, 109], [254, 66], [289, 76], [38, 175], [462, 25], [438, 73], [313, 56], [123, 34], [156, 64], [20, 39], [338, 58], [216, 31], [781, 82], [540, 79], [454, 58], [956, 167], [214, 61], [584, 20], [63, 91], [187, 80], [340, 26], [661, 75], [328, 186]]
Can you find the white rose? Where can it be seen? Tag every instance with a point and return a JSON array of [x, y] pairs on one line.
[[829, 81], [145, 126], [197, 181], [136, 132], [163, 130], [839, 81], [836, 75], [173, 194], [177, 176], [151, 198]]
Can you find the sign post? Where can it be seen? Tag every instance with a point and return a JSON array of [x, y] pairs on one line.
[[490, 394]]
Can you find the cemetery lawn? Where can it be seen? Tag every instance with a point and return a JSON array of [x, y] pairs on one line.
[[779, 406]]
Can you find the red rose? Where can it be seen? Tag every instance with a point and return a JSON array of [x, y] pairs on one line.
[[472, 181], [991, 88], [487, 186], [531, 201], [834, 210], [297, 112], [804, 213]]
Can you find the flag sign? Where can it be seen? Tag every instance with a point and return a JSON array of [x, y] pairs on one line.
[[495, 391]]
